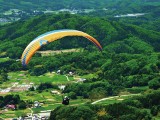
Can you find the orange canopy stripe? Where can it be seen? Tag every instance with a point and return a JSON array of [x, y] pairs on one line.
[[50, 37]]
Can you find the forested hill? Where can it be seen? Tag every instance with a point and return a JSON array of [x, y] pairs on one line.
[[130, 59], [134, 5], [138, 12], [115, 37]]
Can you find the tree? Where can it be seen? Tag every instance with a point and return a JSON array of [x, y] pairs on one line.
[[8, 99], [38, 70], [72, 95], [46, 85], [97, 93], [3, 76], [16, 99], [22, 105], [154, 83], [82, 113], [31, 88], [154, 110]]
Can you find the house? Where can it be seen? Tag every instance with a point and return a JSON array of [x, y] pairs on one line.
[[44, 115], [11, 106], [37, 104], [61, 87], [55, 92], [58, 71], [70, 73]]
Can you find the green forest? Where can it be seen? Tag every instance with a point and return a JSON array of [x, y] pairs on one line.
[[49, 4], [129, 62]]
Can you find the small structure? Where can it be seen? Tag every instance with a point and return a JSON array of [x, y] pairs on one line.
[[58, 71], [81, 80], [11, 106], [37, 104], [44, 115], [55, 92], [70, 73], [61, 87]]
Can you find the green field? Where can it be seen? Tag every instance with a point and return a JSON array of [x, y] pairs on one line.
[[4, 59], [49, 100], [13, 114], [24, 77], [157, 117]]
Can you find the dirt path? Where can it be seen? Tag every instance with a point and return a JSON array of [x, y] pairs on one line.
[[112, 98], [67, 77]]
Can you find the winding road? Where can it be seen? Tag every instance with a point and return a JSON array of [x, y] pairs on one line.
[[112, 98]]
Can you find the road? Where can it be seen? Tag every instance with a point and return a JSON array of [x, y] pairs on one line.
[[67, 77], [112, 98]]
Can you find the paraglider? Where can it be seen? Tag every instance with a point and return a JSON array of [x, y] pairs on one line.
[[50, 37], [65, 100]]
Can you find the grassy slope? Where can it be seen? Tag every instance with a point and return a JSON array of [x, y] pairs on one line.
[[24, 77]]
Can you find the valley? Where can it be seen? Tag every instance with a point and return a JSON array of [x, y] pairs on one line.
[[80, 60]]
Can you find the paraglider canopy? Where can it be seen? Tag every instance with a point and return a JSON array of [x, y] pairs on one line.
[[50, 37]]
